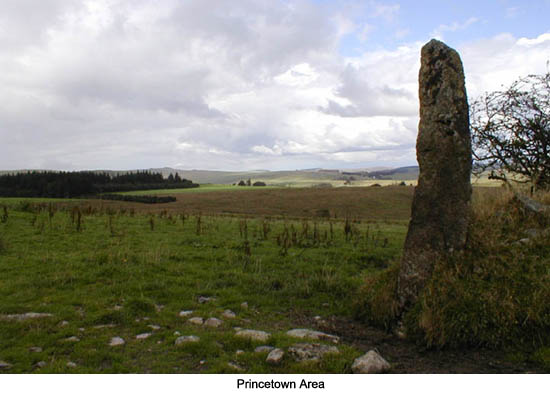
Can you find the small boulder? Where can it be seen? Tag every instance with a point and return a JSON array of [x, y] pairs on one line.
[[71, 364], [5, 365], [236, 367], [63, 324], [228, 314], [371, 362], [213, 322], [143, 336], [264, 348], [196, 320], [72, 339], [313, 334], [204, 299], [187, 339], [41, 364], [154, 327], [275, 357], [116, 341], [244, 305], [311, 352], [35, 349], [255, 335], [185, 313]]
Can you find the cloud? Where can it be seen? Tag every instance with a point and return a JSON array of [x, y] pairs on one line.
[[252, 84], [439, 32]]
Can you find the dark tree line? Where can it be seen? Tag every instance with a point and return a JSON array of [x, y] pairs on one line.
[[84, 183]]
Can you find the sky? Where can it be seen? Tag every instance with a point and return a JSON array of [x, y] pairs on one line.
[[243, 84]]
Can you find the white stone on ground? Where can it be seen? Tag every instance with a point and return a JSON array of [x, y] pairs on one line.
[[41, 364], [244, 305], [371, 362], [116, 341], [313, 334], [229, 314], [196, 320], [255, 335], [63, 323], [187, 339], [275, 357], [234, 366], [154, 327], [109, 325], [35, 349], [72, 339], [176, 333], [213, 322], [28, 315], [239, 352], [264, 348], [311, 352], [204, 299], [5, 365], [143, 336], [185, 313], [71, 364]]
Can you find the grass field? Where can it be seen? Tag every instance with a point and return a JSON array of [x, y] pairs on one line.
[[122, 273]]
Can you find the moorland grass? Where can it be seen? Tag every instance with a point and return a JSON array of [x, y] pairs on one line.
[[114, 273]]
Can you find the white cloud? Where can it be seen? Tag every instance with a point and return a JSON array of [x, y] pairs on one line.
[[439, 32]]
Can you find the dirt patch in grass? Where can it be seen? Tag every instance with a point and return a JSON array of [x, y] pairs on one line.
[[407, 357]]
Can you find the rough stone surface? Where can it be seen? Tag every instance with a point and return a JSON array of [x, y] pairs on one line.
[[187, 339], [275, 357], [41, 364], [109, 325], [63, 323], [311, 352], [228, 314], [313, 334], [204, 299], [116, 341], [441, 202], [72, 339], [28, 315], [71, 364], [196, 320], [371, 362], [213, 322], [154, 327], [5, 365], [35, 349], [264, 348], [143, 336], [255, 335]]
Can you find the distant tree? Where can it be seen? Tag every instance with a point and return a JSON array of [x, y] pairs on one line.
[[511, 132], [259, 184], [248, 182], [241, 183]]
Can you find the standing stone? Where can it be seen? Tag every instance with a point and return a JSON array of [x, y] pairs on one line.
[[441, 203]]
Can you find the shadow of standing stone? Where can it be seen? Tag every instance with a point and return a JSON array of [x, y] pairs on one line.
[[441, 203]]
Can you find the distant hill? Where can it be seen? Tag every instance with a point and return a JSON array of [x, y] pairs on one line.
[[309, 176]]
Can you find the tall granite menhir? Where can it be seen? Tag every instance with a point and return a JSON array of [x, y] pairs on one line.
[[441, 203]]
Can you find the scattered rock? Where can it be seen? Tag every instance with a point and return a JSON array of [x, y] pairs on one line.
[[229, 314], [313, 334], [275, 357], [204, 299], [35, 349], [187, 339], [264, 348], [239, 352], [63, 324], [71, 364], [72, 339], [441, 201], [81, 329], [244, 305], [196, 320], [5, 365], [116, 341], [185, 313], [234, 366], [143, 336], [255, 335], [213, 322], [202, 362], [317, 318], [237, 328], [176, 333], [28, 315], [109, 325], [311, 352], [41, 364], [117, 307], [371, 362], [154, 327]]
